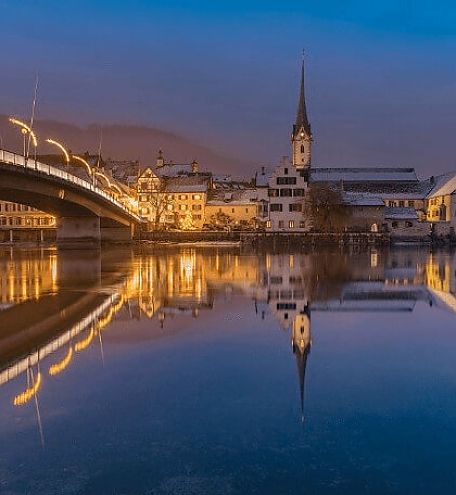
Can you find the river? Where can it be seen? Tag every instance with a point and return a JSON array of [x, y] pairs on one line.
[[223, 371]]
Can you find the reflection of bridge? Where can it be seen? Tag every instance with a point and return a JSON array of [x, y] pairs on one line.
[[83, 210], [184, 281]]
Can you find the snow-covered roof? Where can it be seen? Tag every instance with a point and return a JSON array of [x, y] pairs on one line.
[[173, 170], [383, 174], [176, 188], [360, 199], [443, 185], [399, 213], [262, 176]]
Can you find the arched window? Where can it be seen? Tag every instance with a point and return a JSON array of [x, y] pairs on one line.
[[302, 148]]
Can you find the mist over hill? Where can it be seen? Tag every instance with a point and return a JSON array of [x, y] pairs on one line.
[[124, 142]]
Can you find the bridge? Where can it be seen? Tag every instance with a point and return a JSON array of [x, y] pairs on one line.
[[84, 211]]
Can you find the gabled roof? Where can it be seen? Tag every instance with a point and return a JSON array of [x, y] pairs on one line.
[[443, 185], [147, 172]]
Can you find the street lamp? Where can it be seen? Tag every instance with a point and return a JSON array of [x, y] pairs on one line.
[[25, 129], [85, 163], [61, 148]]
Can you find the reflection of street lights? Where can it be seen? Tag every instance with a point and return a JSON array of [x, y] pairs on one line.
[[25, 129], [61, 148]]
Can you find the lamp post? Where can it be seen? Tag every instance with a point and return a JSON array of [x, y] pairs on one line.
[[25, 130], [61, 148], [86, 165]]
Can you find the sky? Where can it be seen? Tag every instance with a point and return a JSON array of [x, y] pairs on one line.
[[380, 75]]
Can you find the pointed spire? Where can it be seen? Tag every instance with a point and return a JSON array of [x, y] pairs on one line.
[[301, 362], [301, 115]]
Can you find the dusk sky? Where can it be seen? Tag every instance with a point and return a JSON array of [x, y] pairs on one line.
[[381, 76]]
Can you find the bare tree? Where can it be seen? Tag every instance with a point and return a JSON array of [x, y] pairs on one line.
[[325, 209], [161, 204]]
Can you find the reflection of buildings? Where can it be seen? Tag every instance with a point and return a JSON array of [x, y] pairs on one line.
[[26, 278], [161, 285]]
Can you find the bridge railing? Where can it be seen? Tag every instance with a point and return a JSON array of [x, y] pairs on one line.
[[32, 164]]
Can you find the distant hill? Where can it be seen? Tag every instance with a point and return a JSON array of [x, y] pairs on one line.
[[123, 142]]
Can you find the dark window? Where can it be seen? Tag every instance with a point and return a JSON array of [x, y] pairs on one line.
[[401, 204], [273, 193], [286, 306], [412, 204], [408, 224], [276, 206], [285, 171], [295, 207], [394, 225], [302, 148], [286, 180], [298, 192], [276, 280], [280, 224], [285, 192]]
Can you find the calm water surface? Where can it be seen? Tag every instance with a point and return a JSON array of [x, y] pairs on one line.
[[212, 371]]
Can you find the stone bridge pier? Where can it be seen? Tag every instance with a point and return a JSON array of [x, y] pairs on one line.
[[79, 230]]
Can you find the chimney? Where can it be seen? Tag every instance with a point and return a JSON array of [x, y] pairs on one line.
[[432, 180], [194, 166]]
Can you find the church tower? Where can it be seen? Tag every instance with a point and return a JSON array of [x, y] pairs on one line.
[[301, 137]]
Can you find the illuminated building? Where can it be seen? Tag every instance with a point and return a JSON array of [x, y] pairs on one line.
[[17, 217]]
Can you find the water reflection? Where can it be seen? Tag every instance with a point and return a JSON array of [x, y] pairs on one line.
[[56, 306]]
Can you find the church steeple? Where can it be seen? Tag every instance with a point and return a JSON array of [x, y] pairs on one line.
[[301, 115], [301, 138]]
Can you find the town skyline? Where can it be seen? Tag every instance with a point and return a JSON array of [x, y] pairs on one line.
[[366, 107]]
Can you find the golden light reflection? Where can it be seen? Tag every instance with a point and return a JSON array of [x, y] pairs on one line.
[[57, 368], [29, 393], [84, 343]]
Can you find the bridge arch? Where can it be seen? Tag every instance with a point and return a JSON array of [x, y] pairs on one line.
[[83, 210]]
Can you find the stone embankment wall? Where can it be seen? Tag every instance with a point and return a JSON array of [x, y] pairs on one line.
[[268, 239], [12, 236]]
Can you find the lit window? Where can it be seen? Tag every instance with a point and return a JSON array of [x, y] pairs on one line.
[[291, 224], [196, 196], [268, 224]]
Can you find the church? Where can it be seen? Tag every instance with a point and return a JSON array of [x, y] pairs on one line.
[[391, 199]]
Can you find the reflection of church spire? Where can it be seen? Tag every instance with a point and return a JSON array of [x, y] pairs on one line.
[[301, 343]]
